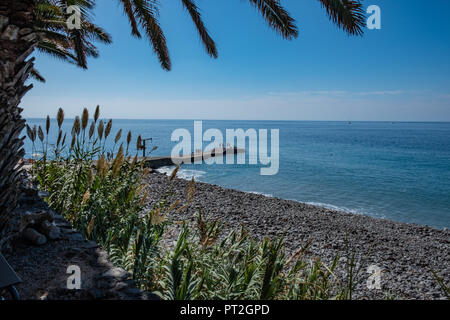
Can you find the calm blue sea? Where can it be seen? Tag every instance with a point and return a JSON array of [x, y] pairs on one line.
[[398, 171]]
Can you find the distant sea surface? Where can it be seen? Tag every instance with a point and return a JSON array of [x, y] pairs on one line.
[[397, 171]]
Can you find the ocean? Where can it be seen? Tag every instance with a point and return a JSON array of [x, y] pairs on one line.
[[393, 170]]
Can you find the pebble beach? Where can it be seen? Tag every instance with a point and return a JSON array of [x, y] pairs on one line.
[[405, 253]]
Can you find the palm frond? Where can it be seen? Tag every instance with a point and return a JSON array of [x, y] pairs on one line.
[[91, 50], [96, 33], [37, 76], [70, 45], [208, 42], [129, 11], [146, 12], [56, 51], [79, 47], [47, 9], [277, 17], [346, 14], [55, 37]]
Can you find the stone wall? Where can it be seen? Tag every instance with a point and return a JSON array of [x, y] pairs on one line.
[[45, 245]]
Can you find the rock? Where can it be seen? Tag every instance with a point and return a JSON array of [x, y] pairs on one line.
[[35, 218], [43, 194], [96, 293], [43, 297], [72, 252], [60, 220], [121, 285], [133, 291], [90, 245], [67, 231], [50, 230], [102, 257], [63, 225], [105, 284], [29, 191], [34, 237], [117, 273], [75, 237]]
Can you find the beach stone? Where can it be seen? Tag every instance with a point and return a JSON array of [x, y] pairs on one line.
[[96, 293], [34, 237], [76, 236], [104, 284], [120, 286], [117, 273], [90, 245], [50, 230], [404, 251]]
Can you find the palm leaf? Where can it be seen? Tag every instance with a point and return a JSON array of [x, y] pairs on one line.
[[277, 17], [146, 13], [208, 42], [347, 14], [56, 51], [75, 45], [37, 76], [129, 11]]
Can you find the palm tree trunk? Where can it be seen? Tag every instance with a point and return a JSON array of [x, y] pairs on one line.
[[17, 41]]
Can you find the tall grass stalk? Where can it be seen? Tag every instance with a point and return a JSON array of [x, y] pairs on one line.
[[101, 192]]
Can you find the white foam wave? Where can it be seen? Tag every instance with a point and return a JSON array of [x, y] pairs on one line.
[[185, 174], [333, 207], [262, 194], [347, 210]]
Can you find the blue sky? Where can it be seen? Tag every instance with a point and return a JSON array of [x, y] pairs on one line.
[[398, 73]]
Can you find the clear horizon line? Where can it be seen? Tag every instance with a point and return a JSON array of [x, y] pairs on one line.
[[282, 120]]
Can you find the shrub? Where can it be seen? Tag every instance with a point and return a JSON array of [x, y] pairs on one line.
[[100, 191]]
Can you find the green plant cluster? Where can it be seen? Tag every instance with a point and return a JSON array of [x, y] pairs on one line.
[[101, 192]]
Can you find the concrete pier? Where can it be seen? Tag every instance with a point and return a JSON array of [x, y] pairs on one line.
[[158, 162]]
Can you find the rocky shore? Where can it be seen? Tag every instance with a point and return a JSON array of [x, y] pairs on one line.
[[406, 253]]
